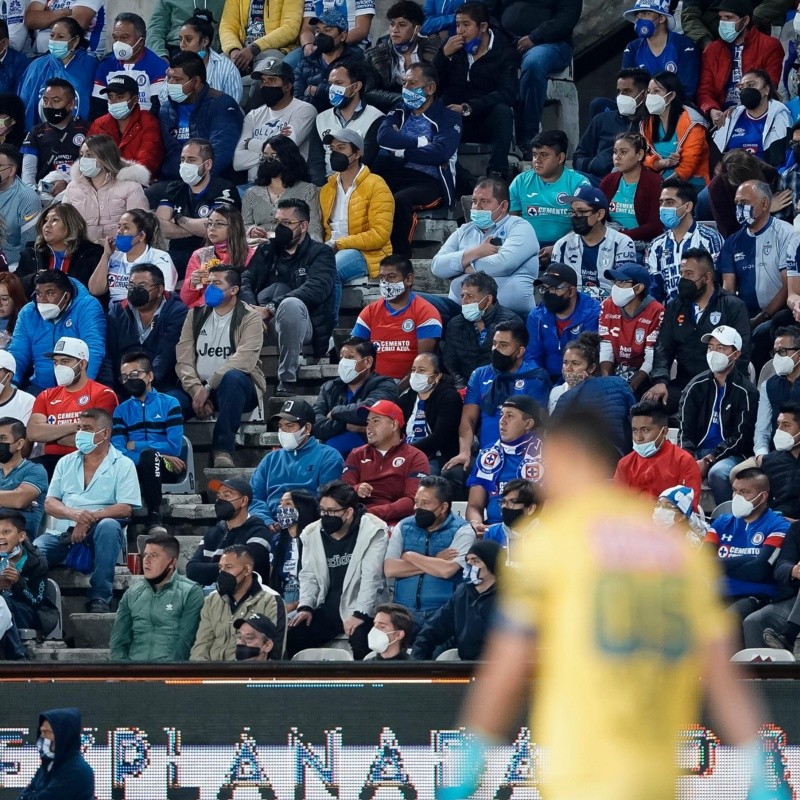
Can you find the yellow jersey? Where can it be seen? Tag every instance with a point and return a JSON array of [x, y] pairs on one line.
[[621, 609]]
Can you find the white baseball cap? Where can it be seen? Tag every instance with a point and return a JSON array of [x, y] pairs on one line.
[[726, 335], [69, 346], [7, 361]]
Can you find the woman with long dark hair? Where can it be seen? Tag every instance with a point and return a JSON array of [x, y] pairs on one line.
[[12, 298]]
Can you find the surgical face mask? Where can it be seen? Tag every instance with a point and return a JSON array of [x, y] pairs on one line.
[[783, 440], [45, 746], [471, 311], [244, 652], [65, 376], [472, 574], [123, 51], [391, 291], [419, 383], [717, 362], [647, 449], [783, 365], [378, 641], [744, 214], [190, 173], [727, 31], [84, 441], [213, 296], [55, 116], [337, 95], [414, 98], [644, 28], [621, 297], [347, 370], [119, 110], [669, 218], [626, 105], [88, 167], [481, 218], [58, 49], [124, 242], [663, 516], [741, 507], [286, 517], [291, 441], [655, 103], [176, 93]]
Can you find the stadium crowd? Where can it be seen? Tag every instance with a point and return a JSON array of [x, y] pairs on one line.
[[211, 185]]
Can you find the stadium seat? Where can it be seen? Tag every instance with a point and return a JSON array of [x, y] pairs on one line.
[[672, 435], [767, 371], [187, 485], [563, 93], [722, 508], [757, 654], [449, 655], [459, 508], [322, 654]]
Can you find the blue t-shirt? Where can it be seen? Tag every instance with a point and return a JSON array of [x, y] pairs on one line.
[[748, 135], [34, 475], [713, 436], [621, 205]]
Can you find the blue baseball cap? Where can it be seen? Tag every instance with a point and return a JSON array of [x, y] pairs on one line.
[[331, 18], [629, 272], [590, 195]]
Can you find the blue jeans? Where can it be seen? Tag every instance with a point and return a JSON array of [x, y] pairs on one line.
[[446, 307], [294, 58], [541, 61], [345, 442], [719, 477], [350, 264], [235, 395], [107, 541]]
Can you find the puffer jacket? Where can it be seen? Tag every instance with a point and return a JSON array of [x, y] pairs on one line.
[[157, 625], [102, 208], [313, 70], [370, 212], [692, 145], [783, 471], [281, 25], [141, 142]]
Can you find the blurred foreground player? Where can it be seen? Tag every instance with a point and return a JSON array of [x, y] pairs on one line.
[[637, 603]]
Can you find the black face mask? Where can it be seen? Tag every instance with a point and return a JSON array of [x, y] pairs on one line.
[[324, 43], [135, 387], [159, 578], [581, 225], [331, 524], [501, 362], [750, 98], [510, 515], [423, 517], [138, 296], [245, 652], [5, 453], [225, 510], [55, 115], [283, 237], [339, 161], [688, 290], [226, 584], [271, 95], [554, 303], [269, 169]]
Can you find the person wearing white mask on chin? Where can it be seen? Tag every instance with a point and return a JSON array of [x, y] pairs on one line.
[[782, 465], [748, 542], [674, 509], [391, 633], [717, 412], [302, 462]]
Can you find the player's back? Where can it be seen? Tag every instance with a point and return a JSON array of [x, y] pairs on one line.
[[621, 609]]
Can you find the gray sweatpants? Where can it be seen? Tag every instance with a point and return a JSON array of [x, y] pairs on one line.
[[290, 329]]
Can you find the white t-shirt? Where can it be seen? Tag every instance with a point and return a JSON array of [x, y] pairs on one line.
[[340, 226], [96, 32], [213, 346], [19, 406], [13, 12], [119, 271]]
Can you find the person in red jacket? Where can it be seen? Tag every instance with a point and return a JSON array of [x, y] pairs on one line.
[[386, 471], [740, 49], [136, 132], [655, 463]]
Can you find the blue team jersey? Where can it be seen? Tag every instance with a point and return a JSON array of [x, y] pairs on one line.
[[748, 135], [149, 71]]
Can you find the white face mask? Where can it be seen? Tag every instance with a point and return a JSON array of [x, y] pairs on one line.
[[717, 362], [419, 383], [378, 641], [626, 105], [655, 103], [190, 174], [741, 507], [291, 441], [48, 310], [390, 291], [783, 365], [347, 370], [45, 748], [621, 297], [663, 516], [88, 167], [783, 440], [65, 376], [123, 51]]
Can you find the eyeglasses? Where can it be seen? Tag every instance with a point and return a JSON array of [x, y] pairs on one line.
[[5, 301], [131, 376], [554, 289], [287, 222], [216, 225], [784, 351], [331, 512], [583, 214]]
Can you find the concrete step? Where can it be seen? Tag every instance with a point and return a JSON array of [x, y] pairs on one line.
[[169, 502], [198, 514], [92, 630], [44, 651], [188, 544], [73, 582], [82, 655], [251, 434], [213, 473]]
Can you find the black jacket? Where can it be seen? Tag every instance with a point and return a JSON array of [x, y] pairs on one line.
[[81, 266], [465, 617], [545, 21], [332, 399], [789, 556], [442, 418], [308, 274], [783, 471], [31, 589], [680, 336], [203, 567], [593, 154], [461, 352], [280, 552], [737, 415], [491, 81]]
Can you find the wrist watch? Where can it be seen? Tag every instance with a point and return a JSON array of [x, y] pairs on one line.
[[466, 109], [255, 49]]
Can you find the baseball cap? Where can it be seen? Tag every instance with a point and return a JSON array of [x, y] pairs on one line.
[[239, 485], [120, 84], [7, 361], [331, 18], [742, 8], [348, 135], [656, 6], [386, 408], [629, 272], [724, 334], [259, 622], [557, 274], [590, 195], [296, 411], [69, 346], [522, 402], [274, 66]]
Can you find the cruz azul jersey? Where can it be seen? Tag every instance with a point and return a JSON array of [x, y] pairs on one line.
[[629, 336]]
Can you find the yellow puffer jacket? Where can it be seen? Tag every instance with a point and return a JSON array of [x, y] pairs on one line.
[[369, 217], [281, 26]]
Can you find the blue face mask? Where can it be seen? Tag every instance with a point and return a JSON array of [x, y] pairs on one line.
[[727, 31], [404, 47], [84, 441], [202, 53], [669, 218], [644, 28], [472, 46], [213, 296], [482, 219], [124, 243], [58, 49], [176, 93], [336, 95], [414, 98]]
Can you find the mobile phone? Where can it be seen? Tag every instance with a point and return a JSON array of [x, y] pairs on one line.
[[496, 242]]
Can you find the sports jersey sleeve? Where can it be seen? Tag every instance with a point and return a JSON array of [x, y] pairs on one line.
[[363, 326], [351, 473], [40, 405], [30, 145], [725, 263], [602, 323], [427, 321], [514, 191], [107, 400], [473, 393]]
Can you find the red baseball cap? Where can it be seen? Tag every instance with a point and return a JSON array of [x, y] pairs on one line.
[[386, 408]]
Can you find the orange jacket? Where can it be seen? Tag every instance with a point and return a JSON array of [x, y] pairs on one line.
[[692, 145]]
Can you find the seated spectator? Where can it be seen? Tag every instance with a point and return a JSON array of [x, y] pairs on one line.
[[781, 466], [628, 327], [655, 463], [417, 140], [20, 206], [135, 132], [193, 110], [62, 243], [516, 454], [592, 241], [276, 112], [759, 123], [468, 613], [103, 186], [91, 512], [357, 210], [658, 47], [633, 190], [586, 386], [157, 618], [23, 581], [478, 69], [13, 402], [255, 638], [298, 508], [390, 619], [139, 241], [519, 501], [740, 49], [292, 300], [14, 62], [594, 152], [386, 471], [282, 174], [23, 483], [341, 573], [38, 18], [12, 299], [301, 462], [700, 19], [699, 300], [395, 53], [149, 320], [359, 21], [677, 212], [719, 434], [12, 116], [675, 131], [338, 422], [166, 21], [61, 307], [748, 582], [493, 242], [148, 429], [129, 57], [432, 408], [183, 206], [401, 324], [673, 509], [228, 246], [563, 313], [790, 169], [235, 526], [777, 389], [55, 416], [239, 593], [426, 553], [55, 143], [67, 58], [540, 195], [468, 342], [218, 362]]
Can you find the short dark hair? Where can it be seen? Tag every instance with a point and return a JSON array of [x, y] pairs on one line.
[[639, 76], [205, 147], [18, 429], [400, 617], [132, 19], [202, 21], [477, 12], [3, 29], [429, 73], [61, 83], [14, 517], [483, 282], [192, 65], [441, 486], [499, 187], [649, 408], [753, 474], [99, 415], [300, 206], [792, 331], [241, 551], [166, 541], [357, 71], [12, 153], [517, 328], [406, 9], [57, 278], [686, 191], [792, 408], [138, 357], [403, 264], [307, 507], [588, 429], [529, 494], [152, 270], [701, 255], [364, 347], [344, 494], [795, 127], [554, 138], [232, 276], [435, 359]]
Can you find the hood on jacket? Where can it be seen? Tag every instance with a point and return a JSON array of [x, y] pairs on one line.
[[130, 172], [80, 291], [66, 725]]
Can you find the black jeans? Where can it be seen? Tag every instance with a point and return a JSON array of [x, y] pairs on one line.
[[324, 627], [496, 126], [153, 472]]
